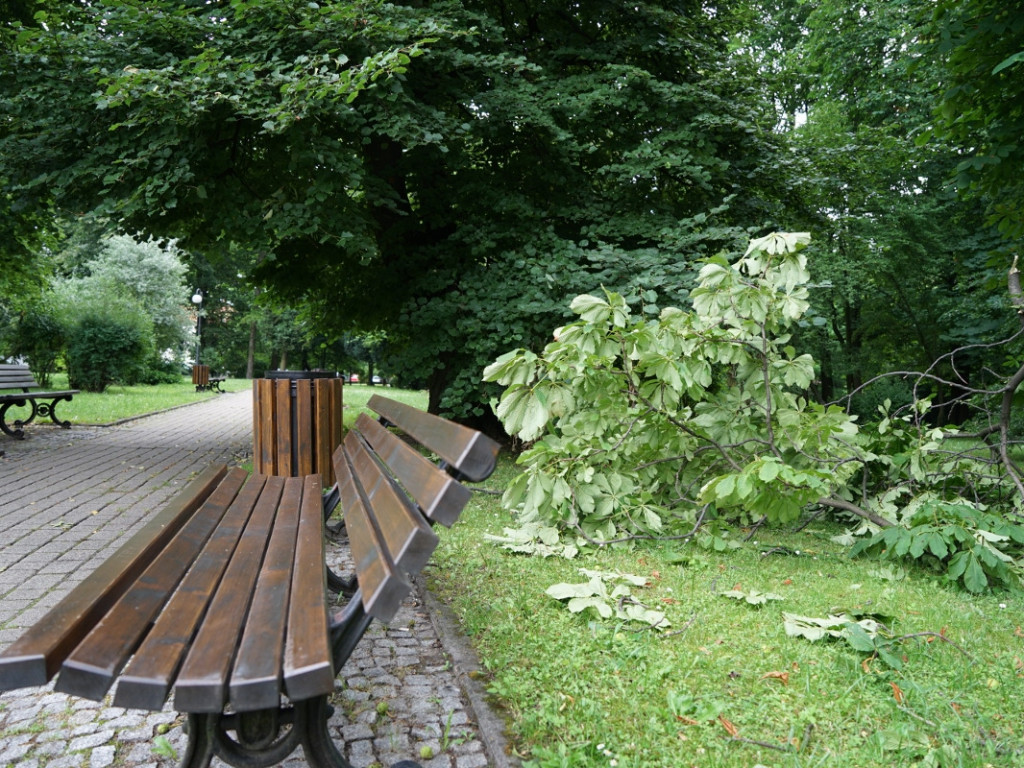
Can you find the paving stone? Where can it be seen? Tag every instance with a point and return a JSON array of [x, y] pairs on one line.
[[355, 696], [10, 754], [124, 720], [139, 754], [101, 757], [361, 754], [90, 741], [67, 761], [443, 760], [356, 731], [470, 747], [52, 733], [84, 729], [51, 748], [85, 717], [478, 760]]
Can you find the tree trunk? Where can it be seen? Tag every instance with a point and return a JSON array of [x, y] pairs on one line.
[[250, 362]]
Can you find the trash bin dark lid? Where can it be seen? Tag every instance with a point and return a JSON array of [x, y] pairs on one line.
[[314, 374]]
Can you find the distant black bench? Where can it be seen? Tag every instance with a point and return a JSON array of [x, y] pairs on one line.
[[250, 653], [203, 380], [20, 377]]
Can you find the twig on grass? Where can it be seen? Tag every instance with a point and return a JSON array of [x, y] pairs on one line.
[[939, 635], [765, 744], [682, 629], [916, 716]]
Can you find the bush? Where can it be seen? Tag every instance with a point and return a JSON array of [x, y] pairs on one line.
[[160, 371], [39, 337], [104, 349]]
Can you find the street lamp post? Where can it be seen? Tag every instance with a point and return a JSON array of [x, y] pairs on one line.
[[197, 299]]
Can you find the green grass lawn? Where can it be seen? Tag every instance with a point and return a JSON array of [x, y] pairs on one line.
[[724, 685], [122, 402]]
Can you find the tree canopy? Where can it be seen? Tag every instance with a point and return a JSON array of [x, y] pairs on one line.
[[452, 169], [452, 173], [982, 106]]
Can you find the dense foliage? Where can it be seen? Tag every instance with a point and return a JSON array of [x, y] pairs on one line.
[[108, 345], [982, 106], [642, 426], [665, 428], [454, 170]]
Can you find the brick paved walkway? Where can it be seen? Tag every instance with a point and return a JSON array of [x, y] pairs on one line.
[[68, 498]]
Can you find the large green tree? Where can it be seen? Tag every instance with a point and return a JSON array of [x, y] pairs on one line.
[[902, 267], [534, 150]]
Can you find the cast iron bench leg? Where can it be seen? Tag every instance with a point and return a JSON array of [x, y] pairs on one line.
[[199, 751], [17, 432], [50, 409], [261, 738]]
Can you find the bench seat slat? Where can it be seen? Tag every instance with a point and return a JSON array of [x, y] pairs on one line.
[[202, 683], [16, 396], [307, 662], [145, 682], [91, 668], [36, 656], [14, 376], [469, 452], [256, 678], [439, 495]]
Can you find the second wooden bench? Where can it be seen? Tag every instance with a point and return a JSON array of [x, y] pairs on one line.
[[40, 401]]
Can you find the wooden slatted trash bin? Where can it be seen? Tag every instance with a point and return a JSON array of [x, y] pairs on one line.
[[297, 423]]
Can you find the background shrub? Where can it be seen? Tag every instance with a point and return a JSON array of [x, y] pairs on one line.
[[106, 348], [38, 336]]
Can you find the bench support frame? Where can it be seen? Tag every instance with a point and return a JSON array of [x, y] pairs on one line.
[[38, 409], [266, 737]]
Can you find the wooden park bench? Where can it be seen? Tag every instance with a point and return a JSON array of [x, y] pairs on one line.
[[202, 379], [221, 600], [20, 377]]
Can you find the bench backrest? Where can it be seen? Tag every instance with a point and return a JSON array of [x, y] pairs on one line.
[[14, 376], [391, 494]]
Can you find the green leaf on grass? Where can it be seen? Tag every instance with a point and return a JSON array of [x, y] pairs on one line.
[[834, 625], [974, 576], [579, 604], [752, 596], [858, 638]]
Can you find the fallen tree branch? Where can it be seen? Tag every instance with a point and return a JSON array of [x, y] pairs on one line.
[[847, 506]]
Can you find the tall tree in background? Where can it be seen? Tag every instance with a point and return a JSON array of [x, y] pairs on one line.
[[981, 108], [901, 266], [534, 150]]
